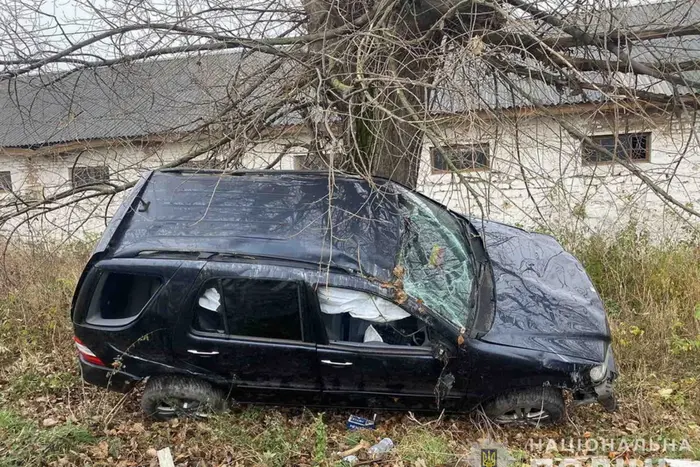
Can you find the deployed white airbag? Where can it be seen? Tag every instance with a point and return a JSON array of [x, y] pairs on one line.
[[359, 304], [371, 335], [210, 299]]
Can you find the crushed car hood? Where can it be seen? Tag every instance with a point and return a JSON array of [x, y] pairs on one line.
[[544, 298]]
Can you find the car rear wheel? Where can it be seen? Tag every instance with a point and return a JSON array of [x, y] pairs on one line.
[[536, 406], [168, 397]]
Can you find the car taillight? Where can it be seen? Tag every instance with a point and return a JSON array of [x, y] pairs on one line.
[[86, 353]]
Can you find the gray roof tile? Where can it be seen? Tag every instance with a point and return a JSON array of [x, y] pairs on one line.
[[126, 100], [179, 94]]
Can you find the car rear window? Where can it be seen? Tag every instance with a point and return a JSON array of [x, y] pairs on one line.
[[120, 297]]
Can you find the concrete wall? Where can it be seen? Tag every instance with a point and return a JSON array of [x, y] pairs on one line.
[[40, 175], [536, 177]]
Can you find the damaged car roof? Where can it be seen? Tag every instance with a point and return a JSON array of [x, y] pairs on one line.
[[354, 225]]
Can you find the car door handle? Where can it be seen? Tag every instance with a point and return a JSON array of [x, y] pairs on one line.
[[202, 352], [332, 363]]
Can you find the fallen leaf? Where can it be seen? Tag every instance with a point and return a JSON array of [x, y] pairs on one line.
[[49, 422], [101, 451], [400, 296], [137, 427]]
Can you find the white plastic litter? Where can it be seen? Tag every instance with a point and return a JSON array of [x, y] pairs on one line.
[[210, 299], [382, 447], [371, 335], [359, 305], [682, 463]]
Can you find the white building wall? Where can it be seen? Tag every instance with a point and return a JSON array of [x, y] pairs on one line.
[[38, 176], [536, 178]]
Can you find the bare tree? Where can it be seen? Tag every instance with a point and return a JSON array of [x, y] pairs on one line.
[[371, 81]]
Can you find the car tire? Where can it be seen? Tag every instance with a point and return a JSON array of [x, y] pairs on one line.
[[536, 406], [168, 397]]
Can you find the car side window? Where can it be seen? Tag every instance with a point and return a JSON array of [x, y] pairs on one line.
[[263, 308], [120, 297], [209, 310], [359, 317], [250, 307]]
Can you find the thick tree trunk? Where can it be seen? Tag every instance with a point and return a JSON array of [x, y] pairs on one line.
[[386, 135], [378, 84]]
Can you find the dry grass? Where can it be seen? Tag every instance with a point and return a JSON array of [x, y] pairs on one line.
[[652, 294]]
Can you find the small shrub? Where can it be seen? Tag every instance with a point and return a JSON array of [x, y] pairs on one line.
[[650, 291]]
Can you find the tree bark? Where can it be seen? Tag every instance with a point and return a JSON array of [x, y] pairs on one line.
[[379, 83], [385, 136]]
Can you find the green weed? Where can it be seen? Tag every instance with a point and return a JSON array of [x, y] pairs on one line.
[[263, 435], [320, 440], [23, 443], [431, 446], [34, 383]]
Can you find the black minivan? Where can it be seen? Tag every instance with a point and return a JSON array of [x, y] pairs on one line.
[[300, 288]]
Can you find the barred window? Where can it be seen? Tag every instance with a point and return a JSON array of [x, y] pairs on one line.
[[462, 157], [626, 146], [5, 180], [87, 175]]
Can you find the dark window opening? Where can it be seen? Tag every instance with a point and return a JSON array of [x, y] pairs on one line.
[[119, 297], [462, 157], [250, 307], [89, 175], [626, 146], [362, 318], [5, 180], [263, 308], [345, 328], [209, 311]]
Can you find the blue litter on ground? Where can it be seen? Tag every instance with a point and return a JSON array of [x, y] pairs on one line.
[[356, 423]]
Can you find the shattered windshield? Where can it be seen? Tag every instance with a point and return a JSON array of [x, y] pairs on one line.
[[436, 260]]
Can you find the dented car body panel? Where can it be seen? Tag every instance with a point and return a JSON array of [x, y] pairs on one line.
[[544, 298], [530, 316]]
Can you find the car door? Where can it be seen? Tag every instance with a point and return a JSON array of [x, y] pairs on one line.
[[378, 374], [252, 333]]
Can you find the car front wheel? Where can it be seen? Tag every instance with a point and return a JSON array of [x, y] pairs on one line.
[[167, 397], [536, 406]]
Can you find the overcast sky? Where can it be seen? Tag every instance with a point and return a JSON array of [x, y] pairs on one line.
[[29, 26]]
